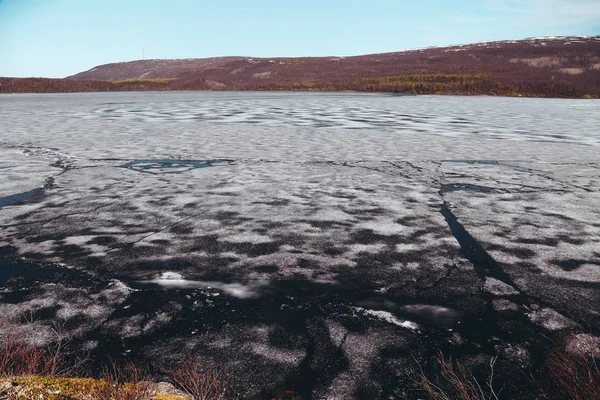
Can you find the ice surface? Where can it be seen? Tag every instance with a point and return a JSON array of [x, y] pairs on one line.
[[329, 223], [22, 172]]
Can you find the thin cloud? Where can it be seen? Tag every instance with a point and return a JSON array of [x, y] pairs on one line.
[[549, 13], [470, 19]]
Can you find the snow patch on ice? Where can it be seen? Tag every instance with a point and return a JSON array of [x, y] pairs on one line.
[[367, 248], [247, 237], [174, 280], [388, 317]]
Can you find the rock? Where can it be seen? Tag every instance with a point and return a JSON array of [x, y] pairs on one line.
[[456, 339], [550, 319], [498, 288], [584, 345], [504, 305], [5, 387], [517, 354], [166, 388]]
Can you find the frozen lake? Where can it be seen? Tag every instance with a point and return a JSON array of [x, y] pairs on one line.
[[316, 243]]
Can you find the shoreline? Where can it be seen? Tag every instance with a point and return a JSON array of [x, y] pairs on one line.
[[399, 94]]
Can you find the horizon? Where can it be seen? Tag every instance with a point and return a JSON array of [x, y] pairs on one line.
[[59, 38]]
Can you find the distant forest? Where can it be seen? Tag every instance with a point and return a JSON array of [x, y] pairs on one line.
[[448, 84], [445, 84]]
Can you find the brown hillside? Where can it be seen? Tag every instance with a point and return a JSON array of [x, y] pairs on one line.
[[555, 67]]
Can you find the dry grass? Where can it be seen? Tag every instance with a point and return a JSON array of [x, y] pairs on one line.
[[124, 383], [571, 376], [49, 388], [18, 358], [199, 383], [456, 382], [144, 80], [565, 376], [32, 372], [29, 394]]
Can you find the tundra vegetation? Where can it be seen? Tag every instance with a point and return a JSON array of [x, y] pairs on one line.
[[53, 372]]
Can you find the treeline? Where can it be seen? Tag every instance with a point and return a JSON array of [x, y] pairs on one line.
[[43, 85], [414, 84], [448, 84]]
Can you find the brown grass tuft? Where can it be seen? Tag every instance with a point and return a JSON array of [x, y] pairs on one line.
[[127, 382], [198, 383], [456, 382], [572, 376], [18, 358]]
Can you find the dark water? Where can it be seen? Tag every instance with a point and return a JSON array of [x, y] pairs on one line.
[[18, 198]]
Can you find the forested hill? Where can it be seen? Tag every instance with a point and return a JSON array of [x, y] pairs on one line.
[[549, 67]]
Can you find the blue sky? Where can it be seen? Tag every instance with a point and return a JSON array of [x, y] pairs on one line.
[[56, 38]]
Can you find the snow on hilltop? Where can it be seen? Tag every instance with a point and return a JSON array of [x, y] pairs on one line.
[[170, 68]]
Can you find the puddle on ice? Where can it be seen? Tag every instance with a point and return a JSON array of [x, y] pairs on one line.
[[26, 270], [455, 187], [161, 166], [17, 198], [432, 314]]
